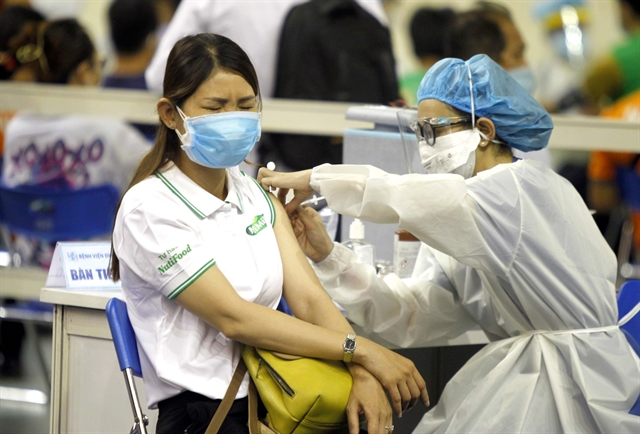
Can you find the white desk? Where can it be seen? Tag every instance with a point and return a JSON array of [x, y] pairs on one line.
[[88, 393]]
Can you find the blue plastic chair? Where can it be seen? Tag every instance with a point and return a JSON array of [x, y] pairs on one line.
[[54, 215], [628, 298], [124, 339], [629, 185]]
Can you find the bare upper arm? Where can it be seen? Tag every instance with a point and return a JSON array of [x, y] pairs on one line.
[[302, 289]]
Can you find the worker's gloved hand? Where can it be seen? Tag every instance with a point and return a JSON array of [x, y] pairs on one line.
[[311, 233], [296, 181]]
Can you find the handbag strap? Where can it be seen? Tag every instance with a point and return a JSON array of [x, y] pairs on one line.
[[228, 399], [253, 408]]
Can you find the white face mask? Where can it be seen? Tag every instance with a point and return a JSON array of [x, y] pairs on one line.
[[453, 153]]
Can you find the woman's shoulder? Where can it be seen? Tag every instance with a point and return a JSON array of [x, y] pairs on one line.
[[505, 185], [147, 195], [245, 183], [524, 180], [249, 188], [536, 174], [518, 171]]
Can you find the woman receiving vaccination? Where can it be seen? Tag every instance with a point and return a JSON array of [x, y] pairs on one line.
[[205, 254]]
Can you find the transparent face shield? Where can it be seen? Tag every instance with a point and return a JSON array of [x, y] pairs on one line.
[[419, 136], [406, 118]]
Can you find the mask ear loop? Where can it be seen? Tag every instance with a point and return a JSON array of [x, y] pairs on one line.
[[184, 138], [181, 113]]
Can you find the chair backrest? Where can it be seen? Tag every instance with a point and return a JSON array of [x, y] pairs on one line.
[[628, 298], [123, 335], [54, 215], [629, 185]]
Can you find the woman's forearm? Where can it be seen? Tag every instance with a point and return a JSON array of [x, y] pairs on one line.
[[260, 326], [214, 300], [323, 312]]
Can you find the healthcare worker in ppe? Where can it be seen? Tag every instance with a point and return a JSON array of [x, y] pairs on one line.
[[507, 244]]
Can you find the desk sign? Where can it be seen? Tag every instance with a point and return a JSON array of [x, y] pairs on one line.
[[81, 265]]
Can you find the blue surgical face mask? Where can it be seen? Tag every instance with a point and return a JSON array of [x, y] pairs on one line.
[[525, 78], [219, 140]]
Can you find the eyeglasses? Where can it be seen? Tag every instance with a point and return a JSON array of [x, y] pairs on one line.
[[425, 128]]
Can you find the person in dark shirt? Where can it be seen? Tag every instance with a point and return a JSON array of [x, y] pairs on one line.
[[133, 26]]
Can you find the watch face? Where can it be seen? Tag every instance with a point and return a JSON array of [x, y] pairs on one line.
[[349, 345]]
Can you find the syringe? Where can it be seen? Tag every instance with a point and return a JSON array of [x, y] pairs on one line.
[[314, 200]]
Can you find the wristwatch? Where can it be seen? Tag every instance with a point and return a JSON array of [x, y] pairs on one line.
[[349, 346]]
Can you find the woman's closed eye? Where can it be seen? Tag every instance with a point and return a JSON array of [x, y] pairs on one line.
[[239, 108]]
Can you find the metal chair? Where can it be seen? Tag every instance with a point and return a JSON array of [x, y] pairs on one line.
[[124, 339], [629, 317]]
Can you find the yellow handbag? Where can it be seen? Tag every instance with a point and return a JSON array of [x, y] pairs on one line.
[[302, 395]]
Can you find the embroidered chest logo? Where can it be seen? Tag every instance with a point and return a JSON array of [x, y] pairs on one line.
[[172, 256], [259, 223]]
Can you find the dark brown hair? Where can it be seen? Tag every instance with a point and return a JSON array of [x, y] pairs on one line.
[[192, 60], [12, 21], [428, 28], [475, 32], [53, 50]]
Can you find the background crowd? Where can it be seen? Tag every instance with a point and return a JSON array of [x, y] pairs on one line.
[[353, 50]]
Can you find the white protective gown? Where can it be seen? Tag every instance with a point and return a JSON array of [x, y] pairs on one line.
[[515, 250]]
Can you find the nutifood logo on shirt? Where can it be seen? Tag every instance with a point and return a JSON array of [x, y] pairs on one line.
[[172, 256], [259, 223]]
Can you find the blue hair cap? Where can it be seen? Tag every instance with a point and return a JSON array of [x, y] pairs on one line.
[[519, 119]]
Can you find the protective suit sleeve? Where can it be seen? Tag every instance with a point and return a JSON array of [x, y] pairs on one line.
[[437, 209], [407, 313]]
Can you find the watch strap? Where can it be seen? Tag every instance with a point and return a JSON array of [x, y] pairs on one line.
[[349, 347]]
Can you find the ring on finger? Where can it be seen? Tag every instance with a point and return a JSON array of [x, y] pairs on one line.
[[389, 428]]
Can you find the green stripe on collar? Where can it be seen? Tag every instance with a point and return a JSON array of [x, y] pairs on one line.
[[240, 202], [175, 191]]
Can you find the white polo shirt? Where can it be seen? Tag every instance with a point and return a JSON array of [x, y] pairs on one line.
[[168, 232]]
